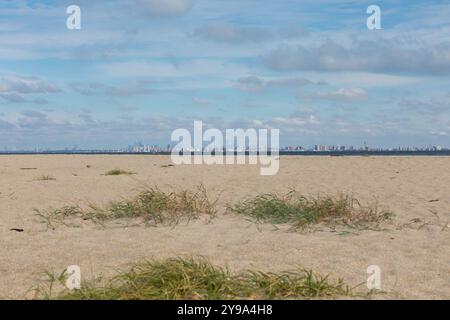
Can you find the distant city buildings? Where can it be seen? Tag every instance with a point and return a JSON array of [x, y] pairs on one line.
[[340, 148], [139, 147], [153, 149]]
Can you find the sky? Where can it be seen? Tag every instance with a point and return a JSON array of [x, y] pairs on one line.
[[139, 69]]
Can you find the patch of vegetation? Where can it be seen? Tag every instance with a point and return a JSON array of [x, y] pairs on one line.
[[197, 279], [45, 177], [152, 206], [61, 216], [118, 172], [303, 212]]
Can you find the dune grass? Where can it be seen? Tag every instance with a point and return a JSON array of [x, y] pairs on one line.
[[154, 206], [303, 212], [62, 216], [198, 279], [45, 177], [118, 172], [151, 206]]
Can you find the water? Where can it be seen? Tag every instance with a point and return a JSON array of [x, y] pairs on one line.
[[283, 153]]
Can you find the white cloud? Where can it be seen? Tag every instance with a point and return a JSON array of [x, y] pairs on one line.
[[228, 33], [198, 69], [366, 79], [132, 88], [25, 85], [12, 97], [250, 84], [165, 8], [346, 94], [14, 87], [200, 101], [41, 101], [254, 83], [380, 55]]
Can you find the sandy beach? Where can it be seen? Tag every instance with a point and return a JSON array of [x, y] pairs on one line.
[[413, 252]]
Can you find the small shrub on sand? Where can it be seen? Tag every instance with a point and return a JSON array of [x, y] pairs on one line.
[[158, 207], [196, 279], [302, 212], [45, 177], [118, 172], [59, 216], [152, 205]]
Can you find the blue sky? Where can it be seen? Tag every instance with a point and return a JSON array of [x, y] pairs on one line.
[[139, 69]]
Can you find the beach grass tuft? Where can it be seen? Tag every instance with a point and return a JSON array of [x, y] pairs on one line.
[[153, 206], [303, 212], [118, 172], [156, 206], [62, 216], [45, 177], [198, 279]]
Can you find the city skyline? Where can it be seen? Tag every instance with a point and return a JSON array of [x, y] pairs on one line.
[[141, 147], [138, 70]]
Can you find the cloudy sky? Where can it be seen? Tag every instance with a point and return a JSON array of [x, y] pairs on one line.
[[138, 69]]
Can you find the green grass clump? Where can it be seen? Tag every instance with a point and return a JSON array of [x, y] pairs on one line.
[[158, 207], [118, 172], [302, 212], [45, 177], [61, 216], [152, 205], [197, 279]]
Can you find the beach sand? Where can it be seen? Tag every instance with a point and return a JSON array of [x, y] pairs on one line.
[[414, 259]]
